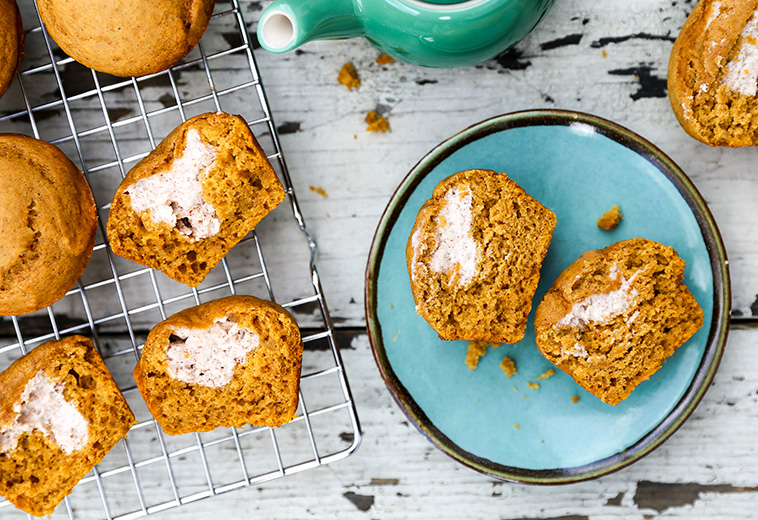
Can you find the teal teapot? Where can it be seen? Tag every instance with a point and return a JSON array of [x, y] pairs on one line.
[[432, 33]]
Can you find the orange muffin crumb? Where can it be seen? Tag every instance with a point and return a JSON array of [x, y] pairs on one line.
[[376, 122], [508, 366], [533, 386], [549, 373], [385, 60], [575, 399], [349, 77], [476, 349], [610, 219], [319, 190]]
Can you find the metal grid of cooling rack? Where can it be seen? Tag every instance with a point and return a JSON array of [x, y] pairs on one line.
[[107, 124]]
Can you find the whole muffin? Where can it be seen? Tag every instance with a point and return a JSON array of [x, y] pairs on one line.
[[126, 37], [47, 224], [11, 42]]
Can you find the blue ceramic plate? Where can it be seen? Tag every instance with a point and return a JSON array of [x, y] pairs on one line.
[[579, 166]]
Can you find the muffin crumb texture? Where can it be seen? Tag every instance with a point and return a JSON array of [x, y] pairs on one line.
[[475, 350], [60, 413], [713, 73], [384, 59], [508, 366], [377, 123], [615, 315], [228, 362], [474, 257], [610, 219], [348, 77], [183, 207]]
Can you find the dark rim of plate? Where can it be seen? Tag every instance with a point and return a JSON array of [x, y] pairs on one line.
[[714, 344]]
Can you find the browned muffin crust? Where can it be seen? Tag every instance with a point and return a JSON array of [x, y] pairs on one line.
[[511, 233], [615, 315], [47, 224], [126, 37], [38, 474], [240, 185], [11, 43], [263, 389], [706, 100]]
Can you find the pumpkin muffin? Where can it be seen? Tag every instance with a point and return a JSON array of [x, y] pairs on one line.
[[184, 206], [60, 413], [713, 73], [474, 257], [11, 42], [228, 362], [615, 315], [126, 37], [48, 221]]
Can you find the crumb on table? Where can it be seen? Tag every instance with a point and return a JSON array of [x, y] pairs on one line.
[[349, 77], [610, 219], [575, 399], [508, 366], [319, 190], [376, 122], [547, 374], [476, 349], [533, 386], [516, 425], [385, 60]]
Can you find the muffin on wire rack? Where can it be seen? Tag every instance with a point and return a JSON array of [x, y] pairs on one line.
[[184, 206], [228, 362], [60, 413]]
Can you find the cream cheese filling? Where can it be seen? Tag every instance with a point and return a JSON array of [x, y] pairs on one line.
[[456, 249], [742, 70], [209, 356], [43, 408], [602, 307], [175, 197]]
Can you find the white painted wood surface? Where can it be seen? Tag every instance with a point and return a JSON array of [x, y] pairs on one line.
[[604, 57]]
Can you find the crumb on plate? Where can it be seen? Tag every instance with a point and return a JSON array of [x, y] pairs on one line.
[[610, 219], [547, 374], [575, 399], [533, 386], [508, 366], [476, 349]]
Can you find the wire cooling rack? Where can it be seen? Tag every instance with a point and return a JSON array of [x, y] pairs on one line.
[[107, 124]]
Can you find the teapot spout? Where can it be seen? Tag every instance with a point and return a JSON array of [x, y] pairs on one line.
[[288, 24]]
